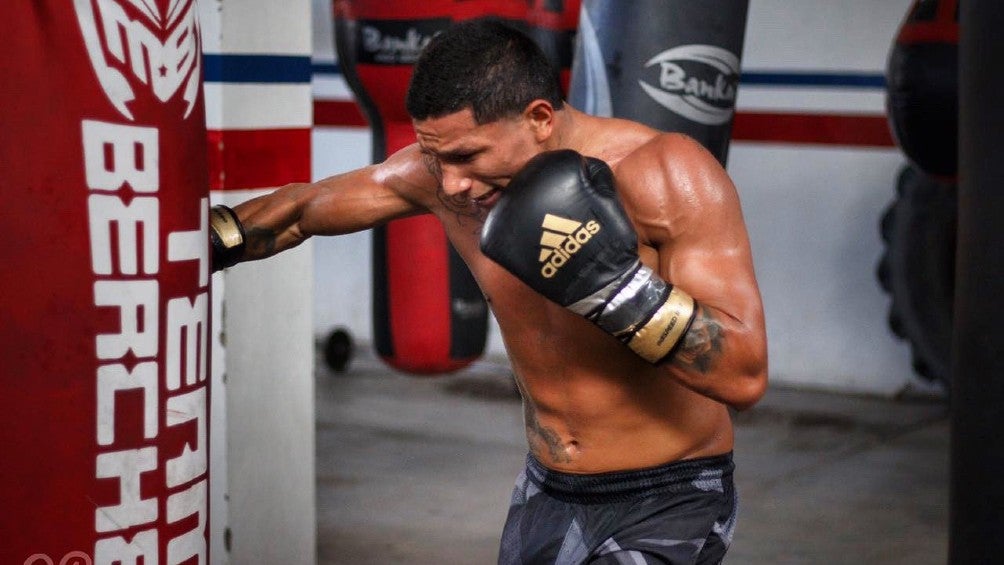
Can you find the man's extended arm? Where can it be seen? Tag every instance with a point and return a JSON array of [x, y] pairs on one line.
[[341, 204]]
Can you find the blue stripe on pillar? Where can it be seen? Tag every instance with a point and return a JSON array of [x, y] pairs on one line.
[[256, 68]]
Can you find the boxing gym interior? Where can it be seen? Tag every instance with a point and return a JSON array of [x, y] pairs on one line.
[[351, 402]]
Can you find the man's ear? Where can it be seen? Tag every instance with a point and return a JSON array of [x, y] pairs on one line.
[[539, 115]]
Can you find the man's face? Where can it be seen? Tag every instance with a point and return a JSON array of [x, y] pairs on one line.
[[474, 162]]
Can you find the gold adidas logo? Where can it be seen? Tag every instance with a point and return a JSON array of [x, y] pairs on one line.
[[561, 239]]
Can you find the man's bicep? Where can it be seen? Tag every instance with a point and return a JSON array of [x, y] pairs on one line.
[[728, 325], [719, 276]]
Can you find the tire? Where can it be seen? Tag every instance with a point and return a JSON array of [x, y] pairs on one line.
[[917, 269]]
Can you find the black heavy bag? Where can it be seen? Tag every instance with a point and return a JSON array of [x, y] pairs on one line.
[[552, 24], [670, 64], [918, 267], [922, 77]]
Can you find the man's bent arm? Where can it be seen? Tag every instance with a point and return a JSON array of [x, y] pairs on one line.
[[723, 354], [695, 225]]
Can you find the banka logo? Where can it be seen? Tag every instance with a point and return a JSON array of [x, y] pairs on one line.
[[396, 42], [697, 82], [152, 44]]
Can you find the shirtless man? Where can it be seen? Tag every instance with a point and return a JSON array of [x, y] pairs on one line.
[[630, 436]]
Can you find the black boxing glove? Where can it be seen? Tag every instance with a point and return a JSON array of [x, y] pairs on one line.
[[559, 227], [226, 234]]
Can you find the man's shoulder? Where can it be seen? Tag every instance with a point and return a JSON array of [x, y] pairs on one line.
[[669, 145], [670, 157], [408, 173], [619, 139], [671, 173]]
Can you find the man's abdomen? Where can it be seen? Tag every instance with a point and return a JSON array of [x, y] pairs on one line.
[[592, 405]]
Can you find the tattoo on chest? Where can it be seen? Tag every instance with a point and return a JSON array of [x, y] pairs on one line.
[[702, 345], [432, 165], [460, 205], [541, 437]]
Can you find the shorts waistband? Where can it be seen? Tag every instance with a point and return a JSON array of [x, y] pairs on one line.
[[702, 474]]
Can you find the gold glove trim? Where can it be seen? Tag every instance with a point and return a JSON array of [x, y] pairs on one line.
[[224, 223], [660, 334]]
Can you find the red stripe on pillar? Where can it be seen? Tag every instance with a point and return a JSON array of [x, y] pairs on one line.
[[826, 129], [241, 159]]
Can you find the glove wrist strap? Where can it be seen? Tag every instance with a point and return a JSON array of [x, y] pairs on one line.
[[642, 310], [227, 237], [658, 338]]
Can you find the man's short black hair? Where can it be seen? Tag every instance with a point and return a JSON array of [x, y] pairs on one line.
[[485, 65]]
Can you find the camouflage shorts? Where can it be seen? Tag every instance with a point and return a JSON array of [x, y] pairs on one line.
[[682, 512]]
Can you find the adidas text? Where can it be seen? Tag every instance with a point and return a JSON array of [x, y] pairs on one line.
[[561, 239]]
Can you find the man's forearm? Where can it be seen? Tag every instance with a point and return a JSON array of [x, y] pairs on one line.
[[721, 358], [257, 228]]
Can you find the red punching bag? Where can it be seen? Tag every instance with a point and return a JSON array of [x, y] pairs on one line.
[[429, 315], [105, 280], [922, 81]]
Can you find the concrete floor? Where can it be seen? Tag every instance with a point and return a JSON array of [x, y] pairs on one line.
[[419, 471]]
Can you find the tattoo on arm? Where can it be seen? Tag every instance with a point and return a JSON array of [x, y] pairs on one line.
[[260, 241], [702, 344]]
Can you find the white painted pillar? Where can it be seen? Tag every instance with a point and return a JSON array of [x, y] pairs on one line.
[[259, 115]]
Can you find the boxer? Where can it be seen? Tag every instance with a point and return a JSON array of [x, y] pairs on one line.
[[616, 261]]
